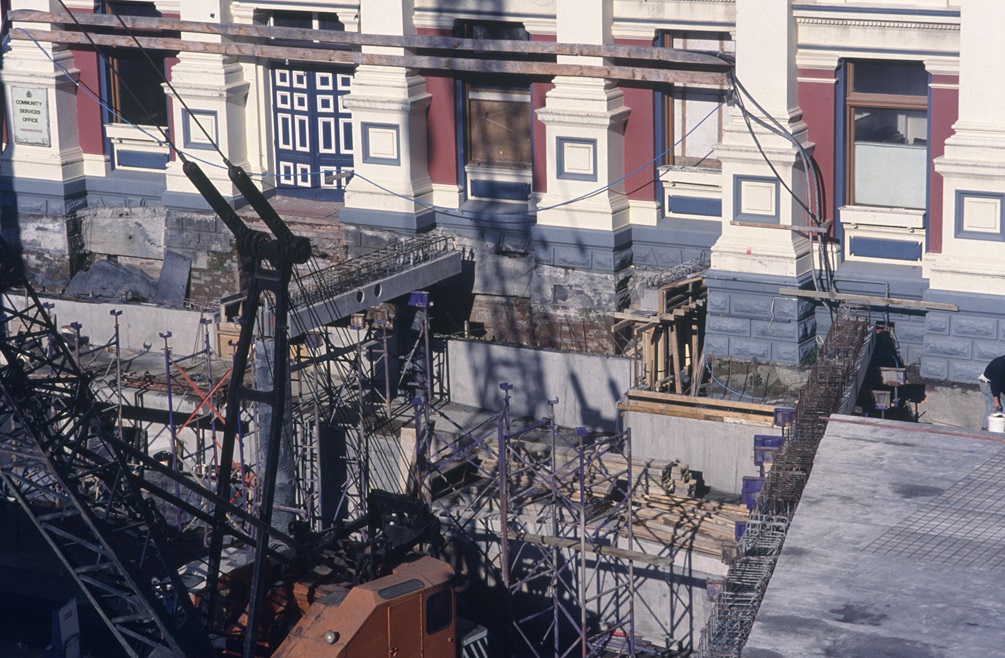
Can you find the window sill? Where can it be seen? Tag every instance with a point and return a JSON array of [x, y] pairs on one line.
[[125, 132], [135, 149], [908, 219], [677, 175], [691, 192], [498, 183]]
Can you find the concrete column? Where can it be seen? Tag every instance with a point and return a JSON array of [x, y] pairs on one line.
[[215, 92], [973, 166], [747, 318], [585, 133], [969, 271], [43, 165], [389, 106], [765, 65]]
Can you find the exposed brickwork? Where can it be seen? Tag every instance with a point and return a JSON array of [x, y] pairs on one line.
[[209, 286], [215, 271], [50, 248], [47, 272], [516, 320]]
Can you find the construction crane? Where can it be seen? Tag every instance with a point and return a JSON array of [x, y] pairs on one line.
[[97, 499]]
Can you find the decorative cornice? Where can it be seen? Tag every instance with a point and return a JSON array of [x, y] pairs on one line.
[[882, 25], [439, 19], [689, 2]]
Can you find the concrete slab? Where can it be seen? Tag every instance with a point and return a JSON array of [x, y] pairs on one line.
[[896, 549], [304, 316]]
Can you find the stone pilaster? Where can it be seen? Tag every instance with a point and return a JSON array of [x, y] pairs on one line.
[[392, 189], [43, 165], [752, 260], [215, 92], [970, 268], [583, 219], [973, 166]]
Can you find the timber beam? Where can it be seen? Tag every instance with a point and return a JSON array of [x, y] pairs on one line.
[[631, 63]]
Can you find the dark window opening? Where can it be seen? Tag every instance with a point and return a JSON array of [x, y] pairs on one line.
[[498, 112], [439, 611], [492, 30], [135, 83], [499, 125], [300, 19]]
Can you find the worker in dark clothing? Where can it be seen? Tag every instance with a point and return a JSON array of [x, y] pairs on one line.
[[992, 386]]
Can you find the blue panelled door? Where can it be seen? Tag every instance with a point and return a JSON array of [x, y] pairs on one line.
[[313, 130]]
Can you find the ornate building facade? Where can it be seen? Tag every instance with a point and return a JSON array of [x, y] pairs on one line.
[[852, 151]]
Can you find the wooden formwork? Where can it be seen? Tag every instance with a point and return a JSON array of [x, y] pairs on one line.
[[668, 343]]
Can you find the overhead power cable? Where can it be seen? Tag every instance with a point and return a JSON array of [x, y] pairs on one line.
[[449, 212]]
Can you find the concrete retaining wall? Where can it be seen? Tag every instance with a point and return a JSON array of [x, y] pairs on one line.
[[139, 324], [587, 386], [723, 452]]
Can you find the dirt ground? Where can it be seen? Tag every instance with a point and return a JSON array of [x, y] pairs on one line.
[[952, 406]]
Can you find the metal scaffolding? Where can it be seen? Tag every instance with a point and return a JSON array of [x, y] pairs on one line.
[[127, 383], [348, 382], [832, 379], [550, 511]]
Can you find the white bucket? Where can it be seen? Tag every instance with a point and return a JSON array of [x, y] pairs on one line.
[[996, 423]]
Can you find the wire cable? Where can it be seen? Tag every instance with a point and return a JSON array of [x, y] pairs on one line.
[[170, 86], [449, 212], [812, 173], [738, 394], [112, 69], [465, 214]]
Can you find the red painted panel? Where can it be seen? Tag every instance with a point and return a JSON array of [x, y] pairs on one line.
[[640, 138], [640, 148], [817, 100], [442, 123], [944, 111], [169, 63], [442, 131], [538, 90], [89, 120]]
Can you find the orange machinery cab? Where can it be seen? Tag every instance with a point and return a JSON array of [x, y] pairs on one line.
[[407, 614]]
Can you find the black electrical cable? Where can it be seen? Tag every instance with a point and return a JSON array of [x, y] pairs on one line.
[[812, 171], [810, 163], [114, 72], [174, 91]]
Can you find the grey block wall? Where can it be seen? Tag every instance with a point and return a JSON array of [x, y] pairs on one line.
[[897, 280], [909, 328], [749, 321], [583, 249], [673, 241], [958, 345]]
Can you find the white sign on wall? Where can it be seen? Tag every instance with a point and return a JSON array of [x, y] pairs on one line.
[[30, 110]]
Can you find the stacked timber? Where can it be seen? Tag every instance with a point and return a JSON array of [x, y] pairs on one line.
[[664, 508], [684, 522], [704, 526]]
